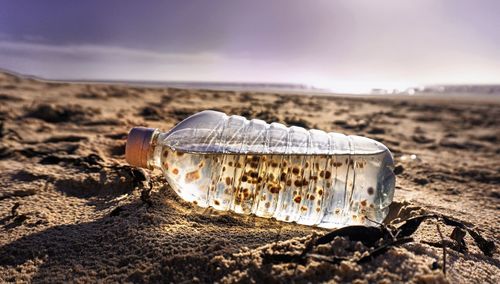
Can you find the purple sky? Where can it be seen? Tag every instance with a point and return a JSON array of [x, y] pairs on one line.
[[339, 44]]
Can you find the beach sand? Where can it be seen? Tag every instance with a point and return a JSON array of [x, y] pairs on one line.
[[71, 209]]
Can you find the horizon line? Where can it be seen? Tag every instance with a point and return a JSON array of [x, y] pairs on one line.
[[278, 85]]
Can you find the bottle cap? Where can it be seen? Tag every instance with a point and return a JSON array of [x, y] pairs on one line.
[[138, 146]]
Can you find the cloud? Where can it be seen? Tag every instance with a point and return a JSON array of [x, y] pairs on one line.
[[101, 51], [360, 70], [101, 62]]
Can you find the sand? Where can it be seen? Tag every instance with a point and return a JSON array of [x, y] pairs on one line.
[[71, 209]]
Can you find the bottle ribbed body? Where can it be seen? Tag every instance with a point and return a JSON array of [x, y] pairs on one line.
[[289, 173]]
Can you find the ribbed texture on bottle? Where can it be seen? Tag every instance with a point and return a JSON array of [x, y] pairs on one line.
[[270, 170], [236, 134]]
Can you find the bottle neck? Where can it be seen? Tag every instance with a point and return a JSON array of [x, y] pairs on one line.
[[154, 155]]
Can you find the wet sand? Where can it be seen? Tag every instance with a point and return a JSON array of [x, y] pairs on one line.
[[71, 209]]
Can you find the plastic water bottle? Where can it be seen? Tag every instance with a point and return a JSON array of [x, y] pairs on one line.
[[289, 173]]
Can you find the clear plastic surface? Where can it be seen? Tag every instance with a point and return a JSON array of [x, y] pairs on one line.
[[289, 173]]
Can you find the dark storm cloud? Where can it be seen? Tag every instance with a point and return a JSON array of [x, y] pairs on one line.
[[329, 43], [173, 26]]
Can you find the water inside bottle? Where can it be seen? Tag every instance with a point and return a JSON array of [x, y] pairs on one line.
[[323, 190]]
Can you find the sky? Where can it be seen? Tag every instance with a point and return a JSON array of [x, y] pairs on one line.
[[342, 45]]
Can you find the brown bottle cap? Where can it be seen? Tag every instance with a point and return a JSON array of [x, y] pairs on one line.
[[138, 146]]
